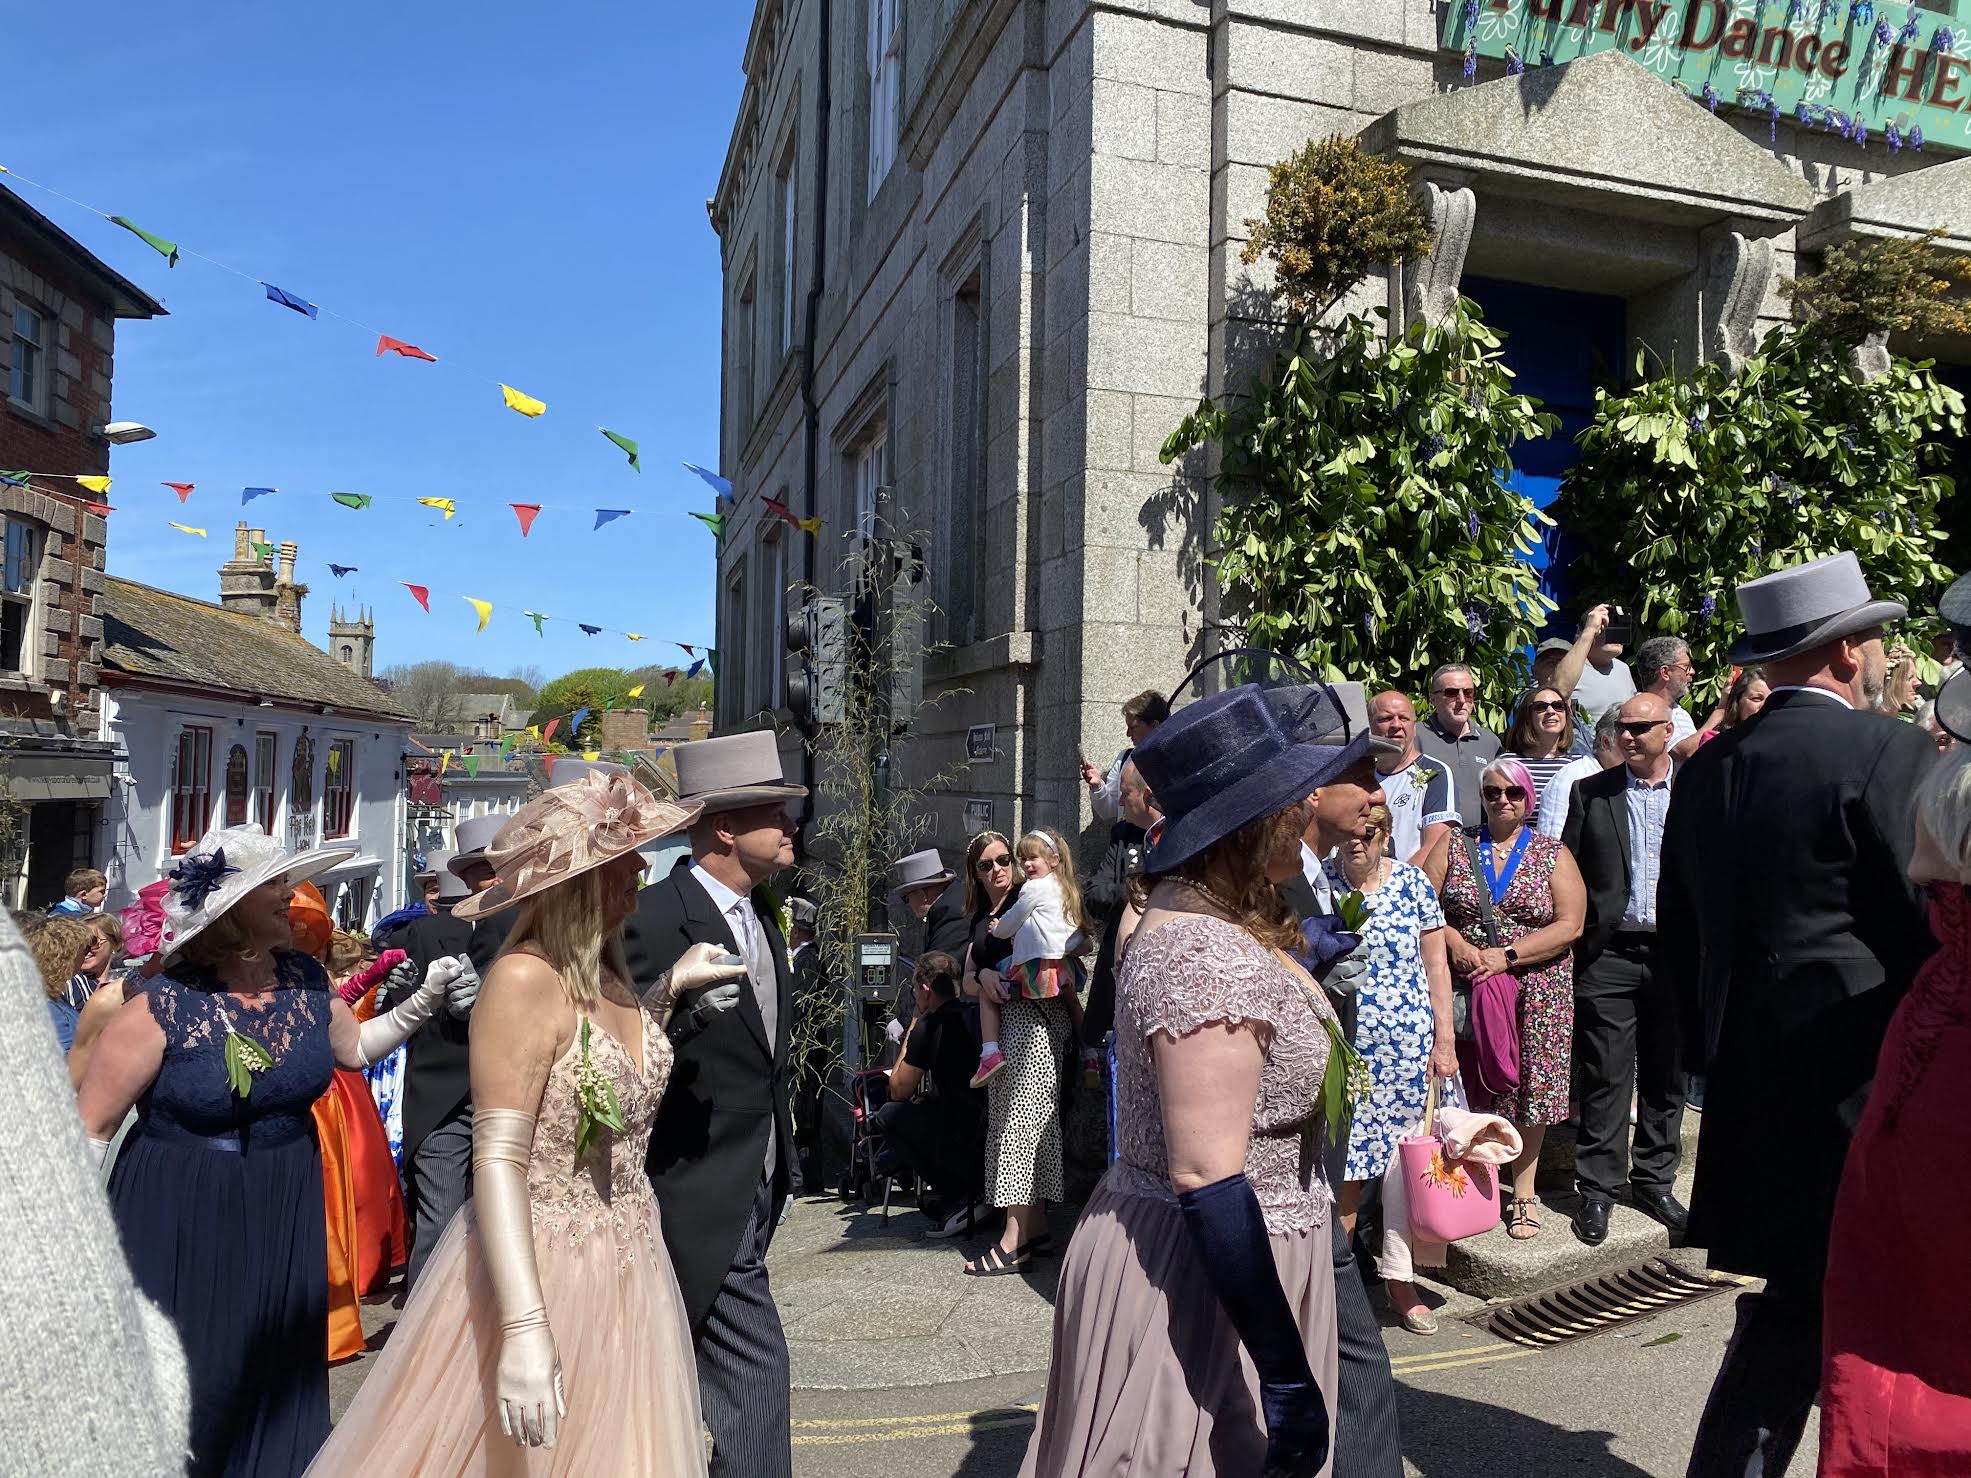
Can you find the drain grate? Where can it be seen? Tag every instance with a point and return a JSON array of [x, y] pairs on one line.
[[1596, 1305]]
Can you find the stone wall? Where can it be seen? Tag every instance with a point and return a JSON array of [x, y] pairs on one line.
[[69, 605]]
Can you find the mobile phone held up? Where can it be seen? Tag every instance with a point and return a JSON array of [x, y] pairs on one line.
[[1621, 628]]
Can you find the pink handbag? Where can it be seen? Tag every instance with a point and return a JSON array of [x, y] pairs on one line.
[[1490, 1060], [1448, 1199]]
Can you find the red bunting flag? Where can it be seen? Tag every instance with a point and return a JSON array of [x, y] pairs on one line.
[[782, 512], [526, 513], [547, 734], [421, 594], [686, 650], [387, 345], [182, 489], [670, 676], [99, 507]]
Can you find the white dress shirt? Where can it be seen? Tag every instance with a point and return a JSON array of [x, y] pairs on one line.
[[737, 909], [1827, 693]]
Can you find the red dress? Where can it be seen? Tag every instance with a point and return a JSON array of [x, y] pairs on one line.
[[1896, 1377]]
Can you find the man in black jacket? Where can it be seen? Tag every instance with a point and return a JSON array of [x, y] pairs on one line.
[[1787, 924], [1625, 1016], [721, 1146]]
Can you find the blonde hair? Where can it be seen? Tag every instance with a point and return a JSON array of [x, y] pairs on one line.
[[58, 951], [564, 924], [223, 940], [1045, 837]]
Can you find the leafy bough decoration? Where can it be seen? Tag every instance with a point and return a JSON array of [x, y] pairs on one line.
[[244, 1057], [601, 1109]]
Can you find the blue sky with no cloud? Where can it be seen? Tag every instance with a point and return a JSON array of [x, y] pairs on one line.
[[519, 189]]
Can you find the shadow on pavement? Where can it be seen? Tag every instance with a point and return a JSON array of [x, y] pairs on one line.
[[999, 1443], [1448, 1436]]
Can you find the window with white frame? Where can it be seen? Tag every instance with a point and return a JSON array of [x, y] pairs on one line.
[[191, 788], [789, 203], [27, 367], [264, 746], [774, 558], [339, 788], [885, 89], [23, 568], [868, 482]]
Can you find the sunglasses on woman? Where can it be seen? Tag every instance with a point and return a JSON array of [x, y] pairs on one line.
[[1502, 792], [1547, 705], [993, 864]]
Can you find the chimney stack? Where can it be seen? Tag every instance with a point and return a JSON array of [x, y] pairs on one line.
[[287, 593], [246, 582]]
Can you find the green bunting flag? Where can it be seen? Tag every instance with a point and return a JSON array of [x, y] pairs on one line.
[[713, 658], [537, 618], [352, 500], [263, 551], [506, 746], [713, 521], [625, 443], [166, 249], [472, 766]]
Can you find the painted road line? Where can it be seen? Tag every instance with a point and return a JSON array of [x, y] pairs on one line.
[[1029, 1407], [913, 1432], [1454, 1361]]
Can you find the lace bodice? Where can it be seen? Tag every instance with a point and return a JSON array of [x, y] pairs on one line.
[[608, 1186], [1193, 970], [192, 1091]]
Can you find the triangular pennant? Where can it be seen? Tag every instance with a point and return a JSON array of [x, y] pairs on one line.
[[247, 495], [102, 508], [443, 505], [713, 521], [419, 593], [608, 515], [17, 479], [340, 570], [670, 676], [808, 525], [98, 485], [187, 529], [525, 404], [712, 479], [166, 249], [547, 734], [588, 630], [625, 443], [352, 500], [686, 650], [444, 759], [635, 692], [387, 345], [537, 618], [591, 755], [633, 636], [288, 300], [262, 551], [472, 766], [483, 607], [781, 511], [526, 513], [696, 668], [182, 489], [575, 724], [712, 658], [506, 745]]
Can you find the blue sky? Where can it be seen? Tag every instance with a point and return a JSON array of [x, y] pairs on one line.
[[518, 189]]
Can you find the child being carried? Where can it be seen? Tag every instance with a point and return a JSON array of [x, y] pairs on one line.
[[1049, 934]]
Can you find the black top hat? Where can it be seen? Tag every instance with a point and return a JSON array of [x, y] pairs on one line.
[[1224, 762]]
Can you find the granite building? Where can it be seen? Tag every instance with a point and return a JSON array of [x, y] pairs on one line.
[[981, 255]]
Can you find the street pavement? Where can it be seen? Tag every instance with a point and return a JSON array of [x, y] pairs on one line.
[[902, 1364]]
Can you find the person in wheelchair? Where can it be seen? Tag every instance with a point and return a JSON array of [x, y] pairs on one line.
[[934, 1123]]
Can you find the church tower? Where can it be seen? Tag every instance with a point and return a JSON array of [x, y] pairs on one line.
[[352, 640]]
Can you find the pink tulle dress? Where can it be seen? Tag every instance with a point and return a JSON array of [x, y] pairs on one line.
[[426, 1410]]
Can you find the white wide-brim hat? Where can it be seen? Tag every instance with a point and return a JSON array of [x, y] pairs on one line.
[[227, 864]]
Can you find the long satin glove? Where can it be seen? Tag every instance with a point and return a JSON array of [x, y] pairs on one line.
[[698, 967], [382, 1035], [1235, 1253], [527, 1380]]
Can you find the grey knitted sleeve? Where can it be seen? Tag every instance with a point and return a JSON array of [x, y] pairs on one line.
[[92, 1379]]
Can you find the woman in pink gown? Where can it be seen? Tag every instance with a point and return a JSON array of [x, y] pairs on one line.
[[547, 1335]]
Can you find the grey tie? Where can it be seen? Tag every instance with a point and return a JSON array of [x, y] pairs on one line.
[[766, 981]]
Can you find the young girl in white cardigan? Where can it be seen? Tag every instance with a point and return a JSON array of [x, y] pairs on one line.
[[1049, 933]]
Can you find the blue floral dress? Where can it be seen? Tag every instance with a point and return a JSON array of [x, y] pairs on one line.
[[1393, 1023]]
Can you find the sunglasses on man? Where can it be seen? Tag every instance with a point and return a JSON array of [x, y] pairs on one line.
[[1641, 727], [1457, 692]]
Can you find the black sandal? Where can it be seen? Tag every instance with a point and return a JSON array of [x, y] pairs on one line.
[[993, 1263], [1522, 1215], [1039, 1246]]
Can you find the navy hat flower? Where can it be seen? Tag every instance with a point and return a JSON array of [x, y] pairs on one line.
[[198, 875]]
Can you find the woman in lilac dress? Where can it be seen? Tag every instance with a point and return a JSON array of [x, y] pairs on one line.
[[1194, 1330]]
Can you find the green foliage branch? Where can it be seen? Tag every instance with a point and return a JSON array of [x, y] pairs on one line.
[[1897, 284]]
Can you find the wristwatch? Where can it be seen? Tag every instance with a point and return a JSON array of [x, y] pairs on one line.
[[1512, 955]]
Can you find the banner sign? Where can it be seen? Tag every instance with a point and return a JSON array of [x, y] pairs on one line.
[[1886, 78]]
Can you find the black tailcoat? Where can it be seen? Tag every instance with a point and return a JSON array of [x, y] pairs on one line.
[[729, 1086], [1789, 929], [437, 1073]]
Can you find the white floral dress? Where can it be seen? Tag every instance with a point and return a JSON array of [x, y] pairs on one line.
[[1393, 1023]]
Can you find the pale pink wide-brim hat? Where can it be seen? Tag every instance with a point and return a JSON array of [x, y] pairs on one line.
[[569, 830]]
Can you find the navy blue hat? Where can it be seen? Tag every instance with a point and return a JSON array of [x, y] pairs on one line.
[[1224, 762]]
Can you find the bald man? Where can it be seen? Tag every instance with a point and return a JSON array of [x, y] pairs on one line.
[[1418, 791], [1625, 1019]]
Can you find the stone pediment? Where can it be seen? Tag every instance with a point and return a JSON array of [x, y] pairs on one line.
[[1902, 205], [1601, 129]]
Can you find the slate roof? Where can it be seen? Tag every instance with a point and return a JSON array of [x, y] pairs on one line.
[[475, 706], [150, 633]]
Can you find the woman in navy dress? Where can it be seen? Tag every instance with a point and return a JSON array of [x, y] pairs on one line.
[[218, 1190]]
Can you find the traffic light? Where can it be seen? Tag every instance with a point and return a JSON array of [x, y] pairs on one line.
[[818, 634]]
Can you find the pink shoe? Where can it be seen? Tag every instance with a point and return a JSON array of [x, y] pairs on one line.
[[991, 1065]]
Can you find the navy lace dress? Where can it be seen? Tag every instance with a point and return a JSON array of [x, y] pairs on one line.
[[219, 1202]]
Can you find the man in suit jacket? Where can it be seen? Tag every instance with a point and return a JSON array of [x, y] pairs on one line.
[[1625, 1019], [1789, 927], [722, 1143]]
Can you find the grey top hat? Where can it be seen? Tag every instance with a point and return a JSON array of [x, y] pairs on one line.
[[920, 870], [803, 912], [474, 837], [434, 862], [1795, 610], [733, 772], [452, 888], [566, 769]]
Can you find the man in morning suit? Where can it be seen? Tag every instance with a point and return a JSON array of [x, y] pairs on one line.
[[1625, 1016], [722, 1143], [1789, 928]]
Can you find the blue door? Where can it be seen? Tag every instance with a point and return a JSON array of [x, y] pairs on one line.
[[1560, 347]]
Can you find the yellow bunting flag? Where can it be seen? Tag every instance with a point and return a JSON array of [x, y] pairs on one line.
[[97, 485], [591, 754], [443, 505], [444, 759], [634, 635], [809, 525], [483, 607], [185, 528], [637, 691], [525, 404]]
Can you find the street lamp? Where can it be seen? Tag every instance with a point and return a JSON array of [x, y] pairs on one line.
[[122, 433]]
